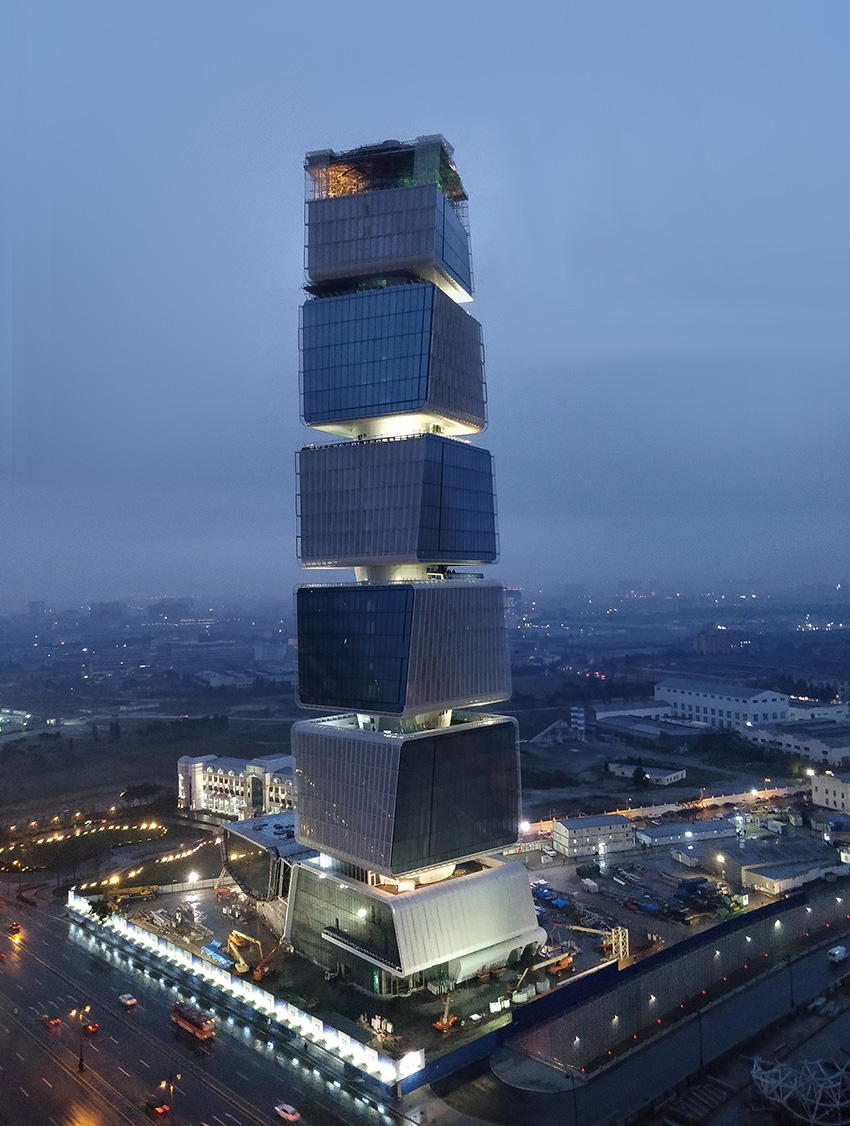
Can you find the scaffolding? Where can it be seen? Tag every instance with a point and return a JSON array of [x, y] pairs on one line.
[[815, 1091]]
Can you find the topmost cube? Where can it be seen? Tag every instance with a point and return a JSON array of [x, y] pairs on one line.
[[392, 209]]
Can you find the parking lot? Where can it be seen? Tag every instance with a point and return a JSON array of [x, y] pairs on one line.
[[640, 890]]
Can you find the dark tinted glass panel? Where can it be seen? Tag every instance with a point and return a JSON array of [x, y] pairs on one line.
[[353, 647], [452, 244], [249, 864], [366, 354], [322, 904], [458, 794], [458, 510]]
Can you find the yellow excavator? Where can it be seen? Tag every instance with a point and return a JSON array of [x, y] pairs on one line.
[[236, 943]]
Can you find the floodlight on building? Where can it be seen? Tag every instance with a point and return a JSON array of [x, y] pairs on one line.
[[524, 826], [721, 859]]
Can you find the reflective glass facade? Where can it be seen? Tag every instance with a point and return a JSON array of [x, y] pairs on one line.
[[405, 797], [395, 805], [401, 649], [324, 905], [385, 351], [425, 499], [354, 647], [411, 229], [251, 865]]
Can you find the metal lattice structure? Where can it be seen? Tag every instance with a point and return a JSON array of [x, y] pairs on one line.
[[815, 1091]]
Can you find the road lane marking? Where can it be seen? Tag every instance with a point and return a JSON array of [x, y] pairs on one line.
[[241, 1076], [25, 1092], [112, 1038], [221, 1120], [145, 1062], [20, 1057], [231, 1117], [50, 1085], [94, 1047], [127, 1073]]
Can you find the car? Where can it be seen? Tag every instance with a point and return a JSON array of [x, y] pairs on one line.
[[286, 1113], [155, 1107], [14, 928], [51, 1022], [2, 956], [127, 1000], [837, 954], [91, 1028]]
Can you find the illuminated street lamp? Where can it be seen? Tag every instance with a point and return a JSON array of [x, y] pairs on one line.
[[168, 1085], [80, 1016]]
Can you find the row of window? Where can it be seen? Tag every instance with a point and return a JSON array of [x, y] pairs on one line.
[[745, 716]]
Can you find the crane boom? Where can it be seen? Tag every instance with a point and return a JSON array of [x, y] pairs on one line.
[[618, 937]]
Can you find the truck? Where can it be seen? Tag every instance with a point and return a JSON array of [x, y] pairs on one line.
[[197, 1023]]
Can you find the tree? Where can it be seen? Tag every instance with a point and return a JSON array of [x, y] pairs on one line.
[[640, 778], [100, 909]]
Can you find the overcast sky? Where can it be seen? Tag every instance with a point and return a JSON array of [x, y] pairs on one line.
[[659, 198]]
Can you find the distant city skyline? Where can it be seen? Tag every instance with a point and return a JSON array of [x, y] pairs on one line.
[[659, 202]]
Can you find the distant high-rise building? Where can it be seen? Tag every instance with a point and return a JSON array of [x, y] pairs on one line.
[[405, 794]]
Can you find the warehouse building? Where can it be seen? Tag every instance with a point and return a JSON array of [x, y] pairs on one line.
[[685, 832], [720, 703], [775, 866]]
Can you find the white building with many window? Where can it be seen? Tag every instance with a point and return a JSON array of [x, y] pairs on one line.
[[593, 836], [235, 787], [831, 791], [823, 742], [719, 703]]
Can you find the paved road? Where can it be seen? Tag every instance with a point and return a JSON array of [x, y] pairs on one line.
[[58, 966]]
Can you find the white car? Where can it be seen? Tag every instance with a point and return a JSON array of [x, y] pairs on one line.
[[837, 954], [286, 1113], [127, 1000]]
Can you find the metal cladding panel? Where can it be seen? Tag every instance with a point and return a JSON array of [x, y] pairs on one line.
[[402, 649], [424, 499], [458, 646], [457, 917], [409, 229], [399, 804], [400, 349]]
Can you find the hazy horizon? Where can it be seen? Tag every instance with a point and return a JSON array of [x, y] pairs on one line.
[[659, 217]]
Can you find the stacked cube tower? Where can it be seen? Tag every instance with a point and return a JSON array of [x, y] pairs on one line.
[[405, 795]]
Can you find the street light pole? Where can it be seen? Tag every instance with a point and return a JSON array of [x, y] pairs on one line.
[[168, 1085], [699, 1026], [80, 1015]]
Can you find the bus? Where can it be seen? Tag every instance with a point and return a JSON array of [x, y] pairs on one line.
[[201, 1025]]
